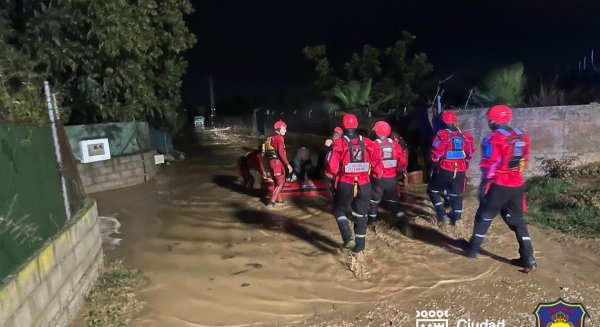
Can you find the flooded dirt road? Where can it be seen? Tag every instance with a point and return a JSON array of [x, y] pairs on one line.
[[214, 256]]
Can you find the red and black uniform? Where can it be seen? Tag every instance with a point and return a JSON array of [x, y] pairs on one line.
[[505, 152], [350, 161], [252, 160], [277, 166], [385, 184], [451, 152]]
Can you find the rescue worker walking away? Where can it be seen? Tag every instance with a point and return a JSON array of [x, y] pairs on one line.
[[350, 160], [385, 185], [505, 152], [274, 150], [451, 152]]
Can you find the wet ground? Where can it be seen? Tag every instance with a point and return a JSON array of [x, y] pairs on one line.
[[214, 256]]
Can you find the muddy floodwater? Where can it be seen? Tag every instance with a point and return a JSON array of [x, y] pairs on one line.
[[214, 256]]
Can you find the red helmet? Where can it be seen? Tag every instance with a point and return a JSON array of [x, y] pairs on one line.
[[499, 114], [338, 130], [449, 117], [349, 121], [382, 128], [278, 124]]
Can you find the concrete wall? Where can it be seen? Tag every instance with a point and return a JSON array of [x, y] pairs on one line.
[[554, 132], [50, 289], [117, 172]]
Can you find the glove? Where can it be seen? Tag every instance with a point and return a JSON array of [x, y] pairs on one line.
[[331, 185], [482, 187], [401, 177], [434, 168]]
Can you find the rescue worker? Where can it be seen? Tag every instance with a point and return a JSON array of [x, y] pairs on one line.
[[278, 161], [385, 185], [350, 161], [505, 152], [451, 152], [251, 161]]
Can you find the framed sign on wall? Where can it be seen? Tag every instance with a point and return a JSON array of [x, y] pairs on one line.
[[94, 150]]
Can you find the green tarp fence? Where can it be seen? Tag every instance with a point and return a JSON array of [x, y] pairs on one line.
[[31, 203], [123, 138]]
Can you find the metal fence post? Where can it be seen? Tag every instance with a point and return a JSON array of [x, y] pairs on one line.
[[63, 182]]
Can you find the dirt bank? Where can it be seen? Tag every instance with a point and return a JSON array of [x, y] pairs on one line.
[[215, 257]]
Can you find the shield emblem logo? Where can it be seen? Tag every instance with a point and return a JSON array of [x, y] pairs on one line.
[[560, 313]]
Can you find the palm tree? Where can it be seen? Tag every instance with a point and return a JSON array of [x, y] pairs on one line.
[[354, 96], [505, 85]]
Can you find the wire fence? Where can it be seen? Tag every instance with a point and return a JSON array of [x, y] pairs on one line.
[[32, 203]]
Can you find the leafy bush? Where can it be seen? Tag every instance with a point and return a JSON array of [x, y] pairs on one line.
[[567, 198], [559, 168]]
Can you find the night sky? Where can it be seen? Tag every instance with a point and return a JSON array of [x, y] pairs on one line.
[[254, 48]]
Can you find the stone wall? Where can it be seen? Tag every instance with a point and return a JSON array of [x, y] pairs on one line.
[[117, 172], [554, 132], [50, 288]]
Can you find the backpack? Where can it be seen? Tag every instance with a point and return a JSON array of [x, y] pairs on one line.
[[518, 144], [458, 151], [268, 151], [387, 151], [355, 161]]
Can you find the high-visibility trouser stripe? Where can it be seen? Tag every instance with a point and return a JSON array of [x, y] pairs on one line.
[[393, 201], [487, 219], [356, 215], [526, 238], [373, 215], [375, 201], [453, 194], [434, 191], [360, 235], [479, 235], [400, 214], [457, 210], [340, 218], [438, 204]]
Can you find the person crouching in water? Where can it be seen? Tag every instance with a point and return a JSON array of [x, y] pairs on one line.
[[505, 152], [278, 162], [350, 160], [301, 164], [451, 152], [251, 161], [385, 184]]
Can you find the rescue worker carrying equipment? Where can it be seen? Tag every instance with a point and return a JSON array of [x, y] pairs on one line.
[[274, 151], [451, 152], [385, 184], [505, 152], [350, 162]]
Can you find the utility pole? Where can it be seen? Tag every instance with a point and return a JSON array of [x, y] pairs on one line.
[[212, 101]]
